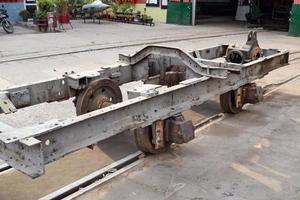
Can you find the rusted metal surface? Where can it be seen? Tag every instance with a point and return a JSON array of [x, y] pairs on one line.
[[144, 141], [159, 134], [198, 76], [252, 93], [157, 137], [179, 130], [233, 101], [174, 76], [99, 94], [246, 53]]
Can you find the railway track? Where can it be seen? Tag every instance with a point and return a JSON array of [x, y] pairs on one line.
[[140, 43], [64, 193], [105, 174], [4, 167]]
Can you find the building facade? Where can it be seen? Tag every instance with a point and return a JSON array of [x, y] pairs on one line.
[[13, 8], [157, 9], [165, 11]]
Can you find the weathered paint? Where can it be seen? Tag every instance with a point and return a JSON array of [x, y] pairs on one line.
[[179, 13], [13, 10], [294, 29], [158, 14]]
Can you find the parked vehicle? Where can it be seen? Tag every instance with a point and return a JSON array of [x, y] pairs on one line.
[[6, 24]]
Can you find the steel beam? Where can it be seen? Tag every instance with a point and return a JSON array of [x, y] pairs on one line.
[[29, 149]]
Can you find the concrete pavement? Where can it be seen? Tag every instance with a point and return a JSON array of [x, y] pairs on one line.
[[106, 34], [196, 154], [254, 155]]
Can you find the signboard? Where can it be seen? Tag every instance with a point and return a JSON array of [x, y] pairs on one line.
[[164, 4], [154, 3]]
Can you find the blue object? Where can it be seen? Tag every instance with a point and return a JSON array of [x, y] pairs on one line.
[[13, 10]]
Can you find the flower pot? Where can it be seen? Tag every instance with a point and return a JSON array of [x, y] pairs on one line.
[[149, 21], [42, 24], [64, 19]]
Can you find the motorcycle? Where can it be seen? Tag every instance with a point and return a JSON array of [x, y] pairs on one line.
[[6, 24]]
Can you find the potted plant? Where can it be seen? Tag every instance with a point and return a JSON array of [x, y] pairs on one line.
[[62, 11], [138, 16], [149, 20], [44, 6], [112, 16], [144, 18], [104, 14], [115, 8], [25, 15], [41, 20], [129, 15]]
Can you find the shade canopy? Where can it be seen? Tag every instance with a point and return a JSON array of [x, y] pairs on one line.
[[96, 5]]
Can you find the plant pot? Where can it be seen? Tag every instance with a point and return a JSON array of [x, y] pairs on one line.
[[42, 24], [130, 19], [149, 21], [64, 19]]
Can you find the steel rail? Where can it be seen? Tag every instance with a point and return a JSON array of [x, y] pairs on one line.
[[29, 149], [268, 89], [187, 38], [4, 167], [96, 178], [101, 176]]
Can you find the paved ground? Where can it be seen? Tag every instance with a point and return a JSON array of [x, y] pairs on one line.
[[17, 66], [251, 156], [95, 36], [18, 31]]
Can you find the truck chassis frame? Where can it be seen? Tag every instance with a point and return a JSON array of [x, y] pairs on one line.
[[174, 81]]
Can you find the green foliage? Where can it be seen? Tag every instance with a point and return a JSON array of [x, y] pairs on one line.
[[115, 7], [62, 7], [108, 2], [129, 11], [45, 5], [84, 2], [39, 14], [122, 8], [125, 6]]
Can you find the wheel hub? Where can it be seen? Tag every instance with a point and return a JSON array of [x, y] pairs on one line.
[[99, 94]]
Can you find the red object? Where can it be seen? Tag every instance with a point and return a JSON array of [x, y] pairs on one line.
[[64, 19], [140, 1], [11, 1], [296, 1]]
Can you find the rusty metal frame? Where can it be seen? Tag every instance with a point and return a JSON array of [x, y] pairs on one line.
[[29, 149]]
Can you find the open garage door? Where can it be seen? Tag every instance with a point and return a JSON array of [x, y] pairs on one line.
[[215, 10], [270, 14]]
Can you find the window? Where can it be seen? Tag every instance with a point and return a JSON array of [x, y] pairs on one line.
[[164, 4], [154, 3]]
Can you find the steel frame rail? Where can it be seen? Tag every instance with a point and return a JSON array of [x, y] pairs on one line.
[[29, 149]]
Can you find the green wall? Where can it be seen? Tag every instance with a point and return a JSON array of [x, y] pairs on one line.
[[158, 14], [179, 13], [295, 21]]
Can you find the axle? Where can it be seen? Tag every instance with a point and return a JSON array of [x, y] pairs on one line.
[[174, 81]]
